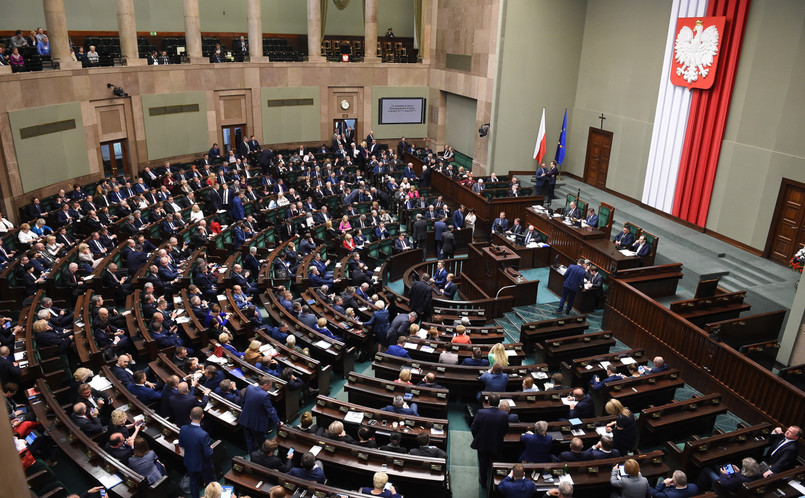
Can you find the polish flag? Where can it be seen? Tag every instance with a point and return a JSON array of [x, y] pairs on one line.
[[539, 148]]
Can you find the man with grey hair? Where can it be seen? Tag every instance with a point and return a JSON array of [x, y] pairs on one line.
[[537, 443], [400, 326], [564, 490], [57, 317], [420, 234], [675, 487]]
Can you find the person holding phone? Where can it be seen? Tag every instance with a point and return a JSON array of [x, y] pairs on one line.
[[629, 482], [729, 477], [381, 487]]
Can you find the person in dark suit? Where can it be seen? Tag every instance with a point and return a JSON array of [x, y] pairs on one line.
[[86, 420], [540, 178], [394, 444], [438, 230], [573, 211], [537, 444], [402, 148], [592, 218], [420, 234], [516, 484], [783, 449], [574, 278], [553, 172], [641, 247], [308, 470], [420, 297], [256, 412], [488, 429], [448, 242], [575, 454], [458, 217], [501, 224], [425, 449], [625, 239], [581, 405], [267, 457], [675, 487], [197, 452], [183, 402]]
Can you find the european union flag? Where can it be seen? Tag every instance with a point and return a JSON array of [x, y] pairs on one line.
[[561, 145]]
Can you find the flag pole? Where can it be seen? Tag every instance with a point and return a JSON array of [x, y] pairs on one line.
[[561, 146]]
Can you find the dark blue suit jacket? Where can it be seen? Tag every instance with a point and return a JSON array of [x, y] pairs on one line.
[[643, 251], [237, 208], [537, 448], [438, 229], [257, 409], [458, 219], [584, 408], [180, 406], [626, 239], [196, 444], [574, 277], [488, 429], [144, 393]]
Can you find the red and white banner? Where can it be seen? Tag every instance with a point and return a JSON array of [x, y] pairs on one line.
[[696, 49], [540, 146]]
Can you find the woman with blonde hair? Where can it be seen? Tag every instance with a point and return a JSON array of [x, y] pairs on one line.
[[413, 330], [348, 243], [282, 200], [118, 423], [632, 485], [252, 354], [196, 214], [86, 259], [52, 247], [623, 428], [344, 226], [336, 431], [25, 235], [497, 354], [405, 377], [40, 228], [378, 488]]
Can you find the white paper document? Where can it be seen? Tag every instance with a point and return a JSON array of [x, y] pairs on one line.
[[354, 417], [628, 360]]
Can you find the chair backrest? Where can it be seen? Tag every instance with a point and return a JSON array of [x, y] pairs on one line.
[[605, 215]]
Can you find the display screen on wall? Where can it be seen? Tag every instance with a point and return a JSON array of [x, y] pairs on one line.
[[402, 111]]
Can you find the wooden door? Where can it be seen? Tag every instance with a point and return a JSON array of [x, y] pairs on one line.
[[596, 162], [787, 233]]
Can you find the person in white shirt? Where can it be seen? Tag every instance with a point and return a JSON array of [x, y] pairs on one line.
[[26, 236], [5, 225]]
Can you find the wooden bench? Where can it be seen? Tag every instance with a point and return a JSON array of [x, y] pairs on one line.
[[678, 419], [721, 448], [89, 455], [461, 380], [219, 409], [739, 332], [776, 485], [349, 463], [533, 332], [795, 374], [762, 353], [316, 374], [641, 392], [377, 393], [536, 405], [653, 281], [257, 480], [381, 423], [702, 310], [429, 350], [325, 349], [578, 372], [245, 374], [588, 476], [555, 351], [559, 430]]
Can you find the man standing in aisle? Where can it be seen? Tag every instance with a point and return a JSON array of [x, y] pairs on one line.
[[256, 411], [197, 452], [488, 429], [574, 278]]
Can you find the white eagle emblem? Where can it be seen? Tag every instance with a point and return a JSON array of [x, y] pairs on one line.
[[695, 50]]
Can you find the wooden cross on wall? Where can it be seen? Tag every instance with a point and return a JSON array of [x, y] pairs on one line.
[[602, 118]]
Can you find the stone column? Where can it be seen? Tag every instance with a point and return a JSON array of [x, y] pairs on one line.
[[192, 32], [370, 32], [56, 23], [255, 21], [127, 30], [314, 31]]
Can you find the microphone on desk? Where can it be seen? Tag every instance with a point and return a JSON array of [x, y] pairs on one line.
[[556, 261]]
